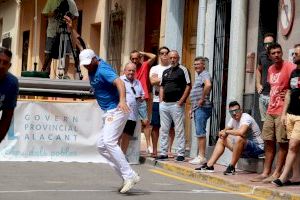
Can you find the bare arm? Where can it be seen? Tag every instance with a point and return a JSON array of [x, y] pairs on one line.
[[185, 95], [154, 80], [151, 57], [259, 86], [242, 131], [5, 122], [74, 34], [287, 100], [161, 93], [122, 96]]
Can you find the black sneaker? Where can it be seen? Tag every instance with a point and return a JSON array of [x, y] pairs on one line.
[[179, 159], [230, 170], [205, 168], [162, 157]]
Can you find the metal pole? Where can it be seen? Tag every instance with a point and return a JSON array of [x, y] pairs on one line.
[[35, 34]]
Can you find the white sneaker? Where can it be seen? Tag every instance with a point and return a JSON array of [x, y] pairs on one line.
[[198, 161], [129, 183], [149, 150]]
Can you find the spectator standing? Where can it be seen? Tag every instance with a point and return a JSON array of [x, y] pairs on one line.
[[55, 19], [109, 91], [155, 79], [134, 97], [201, 106], [262, 85], [291, 118], [242, 136], [9, 89], [174, 89], [273, 130], [142, 74]]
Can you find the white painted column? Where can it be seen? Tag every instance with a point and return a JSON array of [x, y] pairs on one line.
[[204, 47], [201, 28], [174, 25], [237, 52], [104, 29], [17, 58]]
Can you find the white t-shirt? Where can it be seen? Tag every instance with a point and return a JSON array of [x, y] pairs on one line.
[[254, 132], [157, 69]]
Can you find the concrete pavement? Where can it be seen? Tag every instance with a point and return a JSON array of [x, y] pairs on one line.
[[234, 183]]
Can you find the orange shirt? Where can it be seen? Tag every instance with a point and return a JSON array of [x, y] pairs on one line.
[[279, 83]]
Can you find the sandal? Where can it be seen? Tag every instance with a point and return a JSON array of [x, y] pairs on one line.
[[258, 178]]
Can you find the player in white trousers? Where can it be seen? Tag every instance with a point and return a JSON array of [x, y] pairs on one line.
[[109, 91]]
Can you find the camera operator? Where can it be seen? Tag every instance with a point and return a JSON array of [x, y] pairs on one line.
[[55, 10]]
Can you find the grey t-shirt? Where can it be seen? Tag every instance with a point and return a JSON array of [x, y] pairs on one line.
[[197, 90], [265, 62]]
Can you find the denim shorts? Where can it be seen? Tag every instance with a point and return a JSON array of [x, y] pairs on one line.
[[252, 150], [201, 115], [155, 119], [143, 114]]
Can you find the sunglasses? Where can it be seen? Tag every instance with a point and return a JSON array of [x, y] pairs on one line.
[[163, 53], [268, 43], [233, 112], [133, 90]]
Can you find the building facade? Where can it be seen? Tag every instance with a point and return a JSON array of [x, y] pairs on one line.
[[228, 32]]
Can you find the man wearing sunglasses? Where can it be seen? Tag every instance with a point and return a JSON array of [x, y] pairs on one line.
[[9, 89], [242, 136], [262, 86], [273, 131]]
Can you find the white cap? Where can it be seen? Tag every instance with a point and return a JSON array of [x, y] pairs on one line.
[[86, 56]]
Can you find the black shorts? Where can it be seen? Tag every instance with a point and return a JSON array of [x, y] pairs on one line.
[[129, 127]]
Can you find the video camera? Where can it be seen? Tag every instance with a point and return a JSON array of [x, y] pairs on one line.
[[63, 10]]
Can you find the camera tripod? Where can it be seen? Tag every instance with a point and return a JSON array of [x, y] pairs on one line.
[[64, 39]]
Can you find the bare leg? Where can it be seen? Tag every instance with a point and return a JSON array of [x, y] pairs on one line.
[[155, 135], [270, 148], [218, 151], [281, 156], [147, 132], [125, 142], [202, 146], [238, 149], [290, 159]]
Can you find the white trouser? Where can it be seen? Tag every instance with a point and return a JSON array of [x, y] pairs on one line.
[[168, 112], [113, 124]]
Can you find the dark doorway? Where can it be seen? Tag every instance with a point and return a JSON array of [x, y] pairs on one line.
[[268, 15], [152, 29], [25, 47], [220, 68]]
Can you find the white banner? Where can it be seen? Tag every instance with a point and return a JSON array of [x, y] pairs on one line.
[[50, 131]]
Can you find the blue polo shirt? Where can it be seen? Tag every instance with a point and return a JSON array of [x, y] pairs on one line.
[[101, 80], [9, 90]]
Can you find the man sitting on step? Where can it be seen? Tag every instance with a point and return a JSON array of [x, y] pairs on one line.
[[242, 136]]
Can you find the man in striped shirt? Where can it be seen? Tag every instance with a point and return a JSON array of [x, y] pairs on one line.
[[201, 106]]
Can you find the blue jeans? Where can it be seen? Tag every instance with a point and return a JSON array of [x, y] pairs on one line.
[[201, 115]]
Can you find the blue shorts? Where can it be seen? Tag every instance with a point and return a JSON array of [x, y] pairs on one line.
[[252, 150], [143, 114], [201, 115], [155, 119]]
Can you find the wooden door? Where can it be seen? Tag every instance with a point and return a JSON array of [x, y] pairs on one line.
[[189, 52]]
